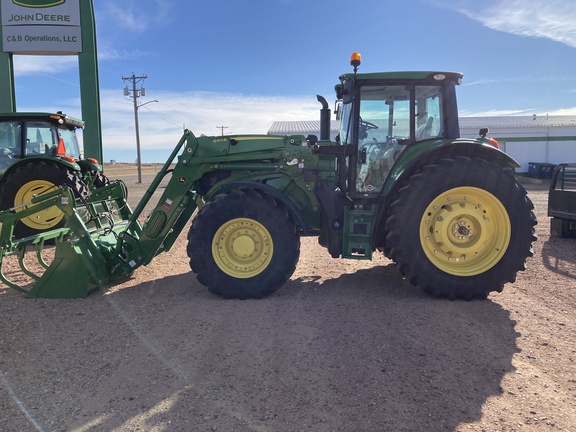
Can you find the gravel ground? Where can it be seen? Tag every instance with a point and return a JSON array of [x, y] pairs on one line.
[[344, 346]]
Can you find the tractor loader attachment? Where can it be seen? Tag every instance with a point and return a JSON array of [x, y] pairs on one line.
[[69, 263], [102, 239]]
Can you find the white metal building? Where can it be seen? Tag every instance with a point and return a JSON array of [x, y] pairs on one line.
[[535, 138]]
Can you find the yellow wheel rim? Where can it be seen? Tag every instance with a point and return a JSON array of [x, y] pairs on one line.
[[465, 231], [242, 248], [45, 219]]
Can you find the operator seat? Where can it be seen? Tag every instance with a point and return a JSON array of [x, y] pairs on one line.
[[425, 131]]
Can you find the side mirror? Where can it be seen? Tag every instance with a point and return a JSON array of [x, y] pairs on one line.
[[338, 110], [347, 91]]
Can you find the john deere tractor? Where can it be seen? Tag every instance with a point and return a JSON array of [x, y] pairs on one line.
[[40, 152], [398, 180]]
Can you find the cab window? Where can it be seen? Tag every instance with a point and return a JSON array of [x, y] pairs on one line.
[[10, 138], [384, 120], [40, 138], [428, 113]]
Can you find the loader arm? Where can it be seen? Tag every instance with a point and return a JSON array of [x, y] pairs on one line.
[[103, 239]]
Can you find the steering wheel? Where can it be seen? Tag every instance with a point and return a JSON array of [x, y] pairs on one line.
[[367, 125], [7, 152]]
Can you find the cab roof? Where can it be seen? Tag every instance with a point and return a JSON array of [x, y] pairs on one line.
[[67, 120], [401, 76]]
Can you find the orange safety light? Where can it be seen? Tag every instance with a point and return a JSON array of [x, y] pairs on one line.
[[494, 142], [92, 161], [61, 151], [355, 60]]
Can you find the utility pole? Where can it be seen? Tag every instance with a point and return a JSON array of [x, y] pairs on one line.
[[222, 128], [136, 93]]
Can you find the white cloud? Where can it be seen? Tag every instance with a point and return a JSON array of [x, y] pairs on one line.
[[161, 123], [563, 111], [495, 113], [550, 19], [32, 64], [517, 112], [135, 15]]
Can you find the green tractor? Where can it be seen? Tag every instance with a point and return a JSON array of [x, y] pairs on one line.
[[398, 180], [40, 152]]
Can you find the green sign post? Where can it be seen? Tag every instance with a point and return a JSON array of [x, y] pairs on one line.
[[53, 27]]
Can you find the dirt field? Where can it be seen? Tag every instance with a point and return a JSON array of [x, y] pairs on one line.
[[344, 346]]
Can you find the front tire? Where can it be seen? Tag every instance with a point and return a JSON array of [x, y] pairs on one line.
[[461, 228], [243, 245]]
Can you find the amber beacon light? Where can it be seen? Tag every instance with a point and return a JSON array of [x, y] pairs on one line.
[[355, 60]]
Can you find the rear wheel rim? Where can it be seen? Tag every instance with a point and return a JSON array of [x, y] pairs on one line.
[[465, 231], [242, 248], [44, 219]]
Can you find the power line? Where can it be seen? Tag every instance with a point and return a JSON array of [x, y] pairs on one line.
[[222, 128], [135, 93]]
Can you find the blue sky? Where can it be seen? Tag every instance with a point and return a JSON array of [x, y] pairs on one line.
[[244, 64]]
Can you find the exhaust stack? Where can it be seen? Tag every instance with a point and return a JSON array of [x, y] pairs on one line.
[[324, 119]]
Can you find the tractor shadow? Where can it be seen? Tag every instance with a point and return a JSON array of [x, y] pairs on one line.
[[362, 349], [558, 256]]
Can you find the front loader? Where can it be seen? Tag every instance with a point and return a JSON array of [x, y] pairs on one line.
[[398, 180]]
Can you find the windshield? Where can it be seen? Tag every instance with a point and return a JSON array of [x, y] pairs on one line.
[[70, 142]]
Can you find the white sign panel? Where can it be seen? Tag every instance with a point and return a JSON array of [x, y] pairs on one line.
[[41, 26]]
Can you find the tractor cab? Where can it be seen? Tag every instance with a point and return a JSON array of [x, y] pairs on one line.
[[382, 114], [38, 134]]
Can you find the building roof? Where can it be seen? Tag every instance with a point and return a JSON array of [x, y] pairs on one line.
[[517, 121], [300, 127], [313, 126]]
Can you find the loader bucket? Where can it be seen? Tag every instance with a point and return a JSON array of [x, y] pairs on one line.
[[79, 259], [72, 274]]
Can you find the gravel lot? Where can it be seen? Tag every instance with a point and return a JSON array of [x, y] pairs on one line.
[[344, 346]]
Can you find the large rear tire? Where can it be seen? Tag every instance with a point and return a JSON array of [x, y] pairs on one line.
[[243, 245], [461, 228], [33, 179]]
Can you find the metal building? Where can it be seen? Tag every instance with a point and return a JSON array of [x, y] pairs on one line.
[[535, 138], [530, 139]]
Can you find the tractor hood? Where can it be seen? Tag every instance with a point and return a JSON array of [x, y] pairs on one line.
[[215, 146]]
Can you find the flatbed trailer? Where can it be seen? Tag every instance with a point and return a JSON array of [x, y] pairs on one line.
[[562, 201]]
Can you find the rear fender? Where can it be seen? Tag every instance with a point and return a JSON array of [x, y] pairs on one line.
[[31, 160], [415, 157], [87, 165]]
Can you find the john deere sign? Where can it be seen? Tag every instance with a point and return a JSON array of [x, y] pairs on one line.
[[53, 27], [38, 3], [41, 26]]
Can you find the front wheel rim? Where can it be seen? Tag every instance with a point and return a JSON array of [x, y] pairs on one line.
[[44, 219], [465, 231], [242, 248]]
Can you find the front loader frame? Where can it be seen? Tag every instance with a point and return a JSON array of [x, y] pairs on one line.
[[103, 239]]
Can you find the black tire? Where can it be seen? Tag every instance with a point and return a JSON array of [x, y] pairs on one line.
[[100, 180], [461, 228], [243, 245], [36, 178]]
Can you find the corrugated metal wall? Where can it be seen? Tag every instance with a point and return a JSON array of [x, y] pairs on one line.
[[545, 144]]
